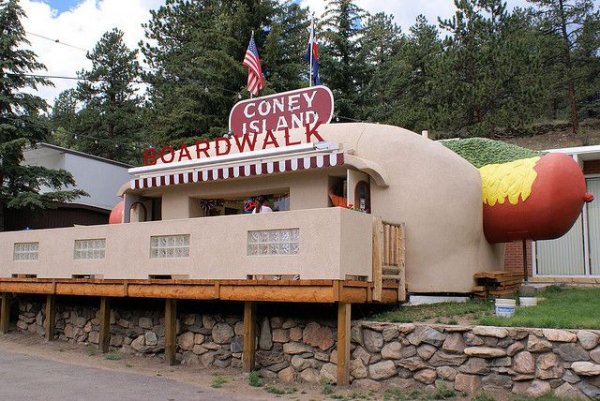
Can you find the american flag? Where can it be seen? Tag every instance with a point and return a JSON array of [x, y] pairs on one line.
[[251, 60]]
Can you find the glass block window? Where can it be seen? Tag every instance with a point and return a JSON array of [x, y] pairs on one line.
[[274, 242], [26, 251], [89, 248], [170, 246]]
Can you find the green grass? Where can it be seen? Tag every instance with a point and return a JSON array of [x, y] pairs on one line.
[[92, 350], [328, 387], [254, 379], [564, 308], [113, 356], [444, 312], [218, 381]]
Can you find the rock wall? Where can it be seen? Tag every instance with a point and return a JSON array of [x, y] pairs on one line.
[[468, 359]]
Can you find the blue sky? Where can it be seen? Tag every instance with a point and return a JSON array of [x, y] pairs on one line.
[[62, 5]]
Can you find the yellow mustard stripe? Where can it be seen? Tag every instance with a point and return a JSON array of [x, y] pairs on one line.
[[512, 180]]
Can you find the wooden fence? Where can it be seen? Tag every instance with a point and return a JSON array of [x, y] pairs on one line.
[[389, 258]]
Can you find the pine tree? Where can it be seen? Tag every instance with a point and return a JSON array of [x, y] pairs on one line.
[[491, 66], [194, 51], [284, 48], [565, 20], [109, 122], [21, 124], [342, 67]]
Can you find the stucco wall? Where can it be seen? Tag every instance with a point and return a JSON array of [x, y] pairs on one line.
[[333, 242]]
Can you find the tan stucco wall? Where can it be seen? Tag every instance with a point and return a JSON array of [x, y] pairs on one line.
[[329, 240]]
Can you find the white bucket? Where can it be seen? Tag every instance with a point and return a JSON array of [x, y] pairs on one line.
[[527, 301], [505, 307]]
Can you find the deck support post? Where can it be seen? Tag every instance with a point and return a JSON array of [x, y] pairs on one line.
[[104, 334], [5, 313], [170, 331], [248, 354], [50, 316], [343, 343]]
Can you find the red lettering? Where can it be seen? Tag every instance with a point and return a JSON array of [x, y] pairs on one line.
[[184, 152], [287, 139], [313, 132], [171, 153], [270, 140], [218, 143], [245, 141], [149, 156], [202, 147]]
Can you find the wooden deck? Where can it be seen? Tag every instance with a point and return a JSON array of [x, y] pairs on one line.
[[317, 291], [342, 292]]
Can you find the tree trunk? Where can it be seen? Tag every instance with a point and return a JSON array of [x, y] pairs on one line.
[[569, 65]]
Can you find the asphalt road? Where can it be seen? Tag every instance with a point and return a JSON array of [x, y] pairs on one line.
[[30, 378]]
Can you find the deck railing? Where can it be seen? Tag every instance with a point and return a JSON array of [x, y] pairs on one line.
[[389, 258]]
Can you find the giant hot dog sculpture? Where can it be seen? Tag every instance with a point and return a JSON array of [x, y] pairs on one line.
[[536, 198]]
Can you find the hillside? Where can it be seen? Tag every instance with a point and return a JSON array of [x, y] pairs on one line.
[[558, 135]]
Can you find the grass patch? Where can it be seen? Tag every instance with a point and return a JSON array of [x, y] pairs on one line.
[[92, 350], [328, 387], [113, 356], [218, 381], [254, 379], [563, 308], [448, 310]]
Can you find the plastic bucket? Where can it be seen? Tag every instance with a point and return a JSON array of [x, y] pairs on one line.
[[505, 307], [527, 301]]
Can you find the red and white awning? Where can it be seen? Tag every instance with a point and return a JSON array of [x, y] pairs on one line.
[[249, 169]]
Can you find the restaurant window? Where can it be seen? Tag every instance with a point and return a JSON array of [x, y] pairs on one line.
[[26, 251], [244, 204]]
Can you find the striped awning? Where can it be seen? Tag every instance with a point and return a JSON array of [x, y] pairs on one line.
[[237, 170]]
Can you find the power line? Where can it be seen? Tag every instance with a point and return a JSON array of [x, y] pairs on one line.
[[57, 41]]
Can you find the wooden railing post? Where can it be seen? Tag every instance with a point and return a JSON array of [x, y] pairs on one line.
[[378, 245], [50, 316], [171, 331], [248, 354], [5, 313], [104, 334], [401, 256], [343, 343]]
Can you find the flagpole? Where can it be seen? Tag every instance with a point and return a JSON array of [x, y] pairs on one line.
[[311, 44], [252, 37]]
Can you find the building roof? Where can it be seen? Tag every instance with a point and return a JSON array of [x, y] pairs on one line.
[[40, 146]]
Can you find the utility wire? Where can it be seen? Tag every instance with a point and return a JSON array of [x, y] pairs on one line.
[[55, 41]]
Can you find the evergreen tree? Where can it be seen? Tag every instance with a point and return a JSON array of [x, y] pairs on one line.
[[109, 123], [342, 67], [491, 68], [194, 50], [63, 119], [21, 124], [566, 19], [284, 48], [402, 89]]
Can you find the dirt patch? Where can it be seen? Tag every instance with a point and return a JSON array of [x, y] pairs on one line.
[[554, 136]]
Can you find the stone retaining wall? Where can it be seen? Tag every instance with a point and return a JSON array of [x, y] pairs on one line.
[[468, 359]]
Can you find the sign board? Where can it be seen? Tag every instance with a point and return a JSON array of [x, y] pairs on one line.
[[293, 109]]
